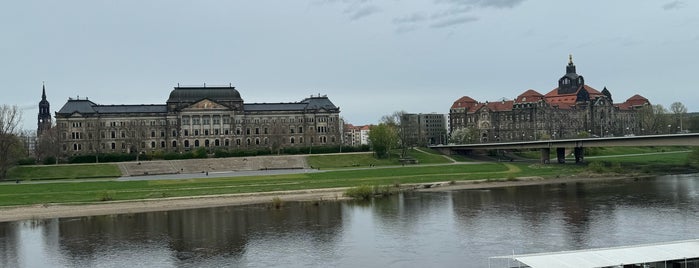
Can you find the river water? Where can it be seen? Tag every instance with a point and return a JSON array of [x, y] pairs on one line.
[[437, 229]]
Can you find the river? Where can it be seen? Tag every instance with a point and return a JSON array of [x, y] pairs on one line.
[[435, 229]]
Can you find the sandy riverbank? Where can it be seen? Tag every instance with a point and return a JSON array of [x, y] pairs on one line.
[[47, 211]]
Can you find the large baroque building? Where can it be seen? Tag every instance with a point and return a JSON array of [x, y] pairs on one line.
[[566, 111], [193, 117]]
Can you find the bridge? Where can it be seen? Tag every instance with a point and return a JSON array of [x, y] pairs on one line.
[[577, 145]]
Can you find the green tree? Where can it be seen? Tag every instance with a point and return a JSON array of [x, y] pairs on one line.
[[10, 144], [383, 138]]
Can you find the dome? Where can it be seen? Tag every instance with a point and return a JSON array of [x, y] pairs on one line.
[[193, 94]]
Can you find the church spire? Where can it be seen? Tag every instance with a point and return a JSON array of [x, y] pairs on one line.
[[570, 69], [44, 117], [43, 91]]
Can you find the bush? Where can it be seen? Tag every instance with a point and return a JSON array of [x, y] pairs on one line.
[[106, 196], [50, 160], [26, 161], [597, 167], [364, 192]]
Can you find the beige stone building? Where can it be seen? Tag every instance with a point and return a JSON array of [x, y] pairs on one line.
[[193, 117]]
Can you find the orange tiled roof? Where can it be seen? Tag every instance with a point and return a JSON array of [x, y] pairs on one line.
[[529, 96], [634, 101], [463, 102]]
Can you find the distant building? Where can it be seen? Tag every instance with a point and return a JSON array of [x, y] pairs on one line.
[[356, 135], [425, 129], [567, 111], [193, 117]]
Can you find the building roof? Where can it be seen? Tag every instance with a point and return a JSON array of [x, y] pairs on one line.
[[312, 103], [615, 256], [496, 106], [85, 106], [633, 102], [529, 96], [194, 94], [566, 101], [463, 102], [77, 106]]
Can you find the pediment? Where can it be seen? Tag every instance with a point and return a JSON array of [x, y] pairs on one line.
[[206, 104]]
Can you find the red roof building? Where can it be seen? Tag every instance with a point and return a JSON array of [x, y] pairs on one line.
[[571, 109]]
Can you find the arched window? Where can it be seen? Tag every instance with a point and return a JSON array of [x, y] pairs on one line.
[[162, 144], [196, 143], [248, 141], [152, 144], [257, 141], [186, 144], [206, 143], [174, 144], [291, 140], [217, 143]]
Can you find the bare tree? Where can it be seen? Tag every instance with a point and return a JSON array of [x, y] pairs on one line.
[[653, 119], [680, 112], [136, 136], [10, 144], [49, 144]]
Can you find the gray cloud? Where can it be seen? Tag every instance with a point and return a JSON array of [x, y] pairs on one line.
[[485, 3], [453, 21], [413, 18], [450, 12], [674, 5], [361, 11]]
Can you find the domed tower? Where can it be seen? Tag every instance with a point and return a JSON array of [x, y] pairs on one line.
[[44, 118], [571, 81]]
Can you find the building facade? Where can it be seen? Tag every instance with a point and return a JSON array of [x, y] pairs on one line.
[[356, 135], [567, 111], [425, 129], [194, 117]]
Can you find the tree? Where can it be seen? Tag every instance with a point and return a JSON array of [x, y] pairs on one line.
[[464, 135], [405, 129], [48, 145], [653, 119], [10, 144], [383, 138], [680, 112]]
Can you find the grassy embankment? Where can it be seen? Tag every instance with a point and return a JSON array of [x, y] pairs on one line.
[[384, 172]]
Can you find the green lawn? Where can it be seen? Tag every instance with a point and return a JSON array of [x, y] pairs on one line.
[[367, 159], [65, 172], [90, 191], [59, 191]]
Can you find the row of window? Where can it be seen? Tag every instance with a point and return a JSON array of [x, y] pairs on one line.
[[206, 143]]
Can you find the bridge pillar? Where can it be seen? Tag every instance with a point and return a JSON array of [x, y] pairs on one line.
[[561, 155], [545, 155], [579, 154]]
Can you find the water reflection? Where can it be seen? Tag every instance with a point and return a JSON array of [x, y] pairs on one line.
[[450, 229]]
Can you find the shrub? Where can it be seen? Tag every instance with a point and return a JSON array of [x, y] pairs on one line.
[[277, 202], [597, 167], [106, 196], [364, 192]]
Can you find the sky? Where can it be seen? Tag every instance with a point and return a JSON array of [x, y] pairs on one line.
[[371, 58]]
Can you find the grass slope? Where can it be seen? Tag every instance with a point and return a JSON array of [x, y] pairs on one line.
[[65, 172]]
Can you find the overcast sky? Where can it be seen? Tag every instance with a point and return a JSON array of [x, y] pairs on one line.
[[370, 57]]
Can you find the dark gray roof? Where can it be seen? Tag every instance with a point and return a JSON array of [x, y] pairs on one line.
[[89, 107], [140, 108], [193, 94], [312, 103], [274, 106], [79, 106], [315, 103]]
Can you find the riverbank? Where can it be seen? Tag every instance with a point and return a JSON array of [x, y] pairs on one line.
[[47, 211]]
